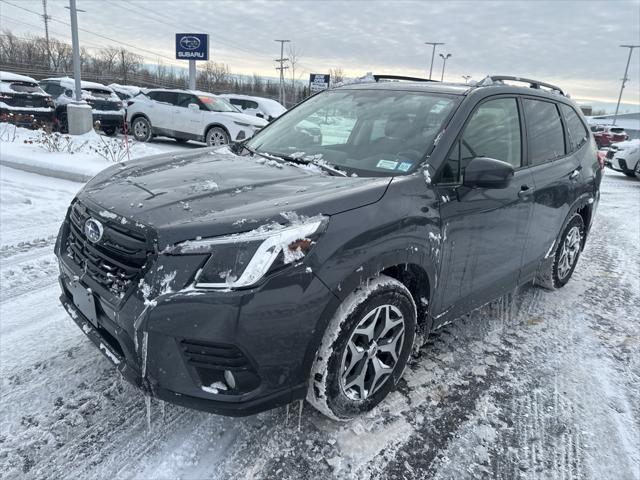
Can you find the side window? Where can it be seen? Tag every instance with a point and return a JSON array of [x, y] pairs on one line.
[[493, 131], [577, 130], [236, 102], [251, 104], [544, 131], [184, 99]]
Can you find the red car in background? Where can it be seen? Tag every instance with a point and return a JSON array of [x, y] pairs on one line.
[[606, 135]]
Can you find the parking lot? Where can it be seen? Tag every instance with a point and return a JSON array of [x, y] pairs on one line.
[[537, 385]]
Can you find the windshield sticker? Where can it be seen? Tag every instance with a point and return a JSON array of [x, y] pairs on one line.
[[387, 164], [405, 166]]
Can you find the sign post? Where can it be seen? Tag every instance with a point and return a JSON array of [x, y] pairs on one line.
[[318, 82], [192, 47]]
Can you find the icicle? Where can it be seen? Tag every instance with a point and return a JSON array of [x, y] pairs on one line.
[[147, 401], [286, 422], [300, 414], [145, 341]]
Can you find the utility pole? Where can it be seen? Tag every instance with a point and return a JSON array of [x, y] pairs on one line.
[[79, 115], [282, 68], [433, 54], [466, 78], [444, 62], [46, 18], [624, 79]]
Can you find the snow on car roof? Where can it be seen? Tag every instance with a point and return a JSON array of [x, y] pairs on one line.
[[14, 77], [69, 82], [272, 106], [131, 89]]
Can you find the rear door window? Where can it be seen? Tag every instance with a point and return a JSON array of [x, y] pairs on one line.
[[577, 130], [544, 131], [494, 132]]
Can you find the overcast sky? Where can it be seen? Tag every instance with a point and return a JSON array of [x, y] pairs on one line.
[[571, 43]]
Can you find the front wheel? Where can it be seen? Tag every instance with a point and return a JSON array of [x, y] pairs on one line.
[[217, 136], [141, 128], [364, 350]]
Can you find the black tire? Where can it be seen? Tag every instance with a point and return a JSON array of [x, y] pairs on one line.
[[216, 136], [557, 273], [141, 129], [630, 173], [345, 356], [111, 131]]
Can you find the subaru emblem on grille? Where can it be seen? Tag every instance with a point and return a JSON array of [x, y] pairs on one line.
[[93, 230]]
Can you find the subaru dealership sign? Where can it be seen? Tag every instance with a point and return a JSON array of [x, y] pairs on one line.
[[318, 82], [192, 46]]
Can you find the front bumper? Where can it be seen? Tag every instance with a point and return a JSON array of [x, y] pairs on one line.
[[109, 120], [272, 326], [27, 118]]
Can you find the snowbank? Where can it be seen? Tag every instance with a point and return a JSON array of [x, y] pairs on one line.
[[82, 156]]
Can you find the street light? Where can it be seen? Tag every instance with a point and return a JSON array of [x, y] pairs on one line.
[[433, 54], [444, 62], [624, 79], [466, 78]]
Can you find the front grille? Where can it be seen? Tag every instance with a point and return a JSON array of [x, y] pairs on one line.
[[115, 261], [214, 356]]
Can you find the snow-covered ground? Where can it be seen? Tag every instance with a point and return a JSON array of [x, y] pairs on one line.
[[538, 385]]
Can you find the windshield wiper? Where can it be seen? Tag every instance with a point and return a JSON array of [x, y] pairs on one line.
[[330, 169]]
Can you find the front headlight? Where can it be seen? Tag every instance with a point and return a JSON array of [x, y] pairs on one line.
[[242, 260], [241, 124]]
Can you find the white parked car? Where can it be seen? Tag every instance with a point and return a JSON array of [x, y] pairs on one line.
[[125, 92], [189, 115], [256, 106], [624, 157], [106, 106]]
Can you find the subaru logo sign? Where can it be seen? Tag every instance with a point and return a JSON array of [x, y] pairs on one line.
[[93, 230], [192, 46], [189, 43]]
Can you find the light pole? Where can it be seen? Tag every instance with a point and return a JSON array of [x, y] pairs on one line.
[[433, 54], [624, 79], [79, 115], [444, 62], [466, 78]]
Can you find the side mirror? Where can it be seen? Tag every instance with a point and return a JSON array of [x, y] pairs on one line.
[[194, 106], [487, 173]]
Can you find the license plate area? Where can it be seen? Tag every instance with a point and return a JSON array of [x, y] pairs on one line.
[[84, 300]]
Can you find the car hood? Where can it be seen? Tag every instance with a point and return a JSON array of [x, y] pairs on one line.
[[214, 192], [241, 117]]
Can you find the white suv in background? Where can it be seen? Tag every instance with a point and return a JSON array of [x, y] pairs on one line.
[[256, 106], [624, 157], [189, 115]]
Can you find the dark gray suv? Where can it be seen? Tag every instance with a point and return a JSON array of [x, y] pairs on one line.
[[294, 265]]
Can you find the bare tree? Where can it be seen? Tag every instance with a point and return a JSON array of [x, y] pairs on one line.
[[215, 76], [337, 75]]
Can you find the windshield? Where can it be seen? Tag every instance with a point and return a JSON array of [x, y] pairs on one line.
[[367, 132], [217, 104]]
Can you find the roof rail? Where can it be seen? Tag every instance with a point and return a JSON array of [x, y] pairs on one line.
[[401, 77], [532, 83]]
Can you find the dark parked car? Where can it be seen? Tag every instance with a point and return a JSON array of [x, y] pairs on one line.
[[23, 102], [606, 135], [106, 106], [293, 266]]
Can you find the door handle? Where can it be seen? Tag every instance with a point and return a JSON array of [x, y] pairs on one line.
[[525, 190]]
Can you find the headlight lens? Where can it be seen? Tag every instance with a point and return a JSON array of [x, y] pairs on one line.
[[242, 260], [242, 124]]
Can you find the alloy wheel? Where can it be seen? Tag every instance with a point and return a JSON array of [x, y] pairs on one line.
[[140, 129], [569, 252], [372, 352], [216, 137]]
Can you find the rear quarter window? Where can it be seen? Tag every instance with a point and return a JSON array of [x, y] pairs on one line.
[[577, 131], [545, 134]]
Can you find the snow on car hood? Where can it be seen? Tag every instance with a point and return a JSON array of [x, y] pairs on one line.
[[214, 192]]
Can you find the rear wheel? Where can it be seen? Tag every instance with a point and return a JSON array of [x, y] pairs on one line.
[[141, 128], [364, 350], [217, 136], [63, 122]]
